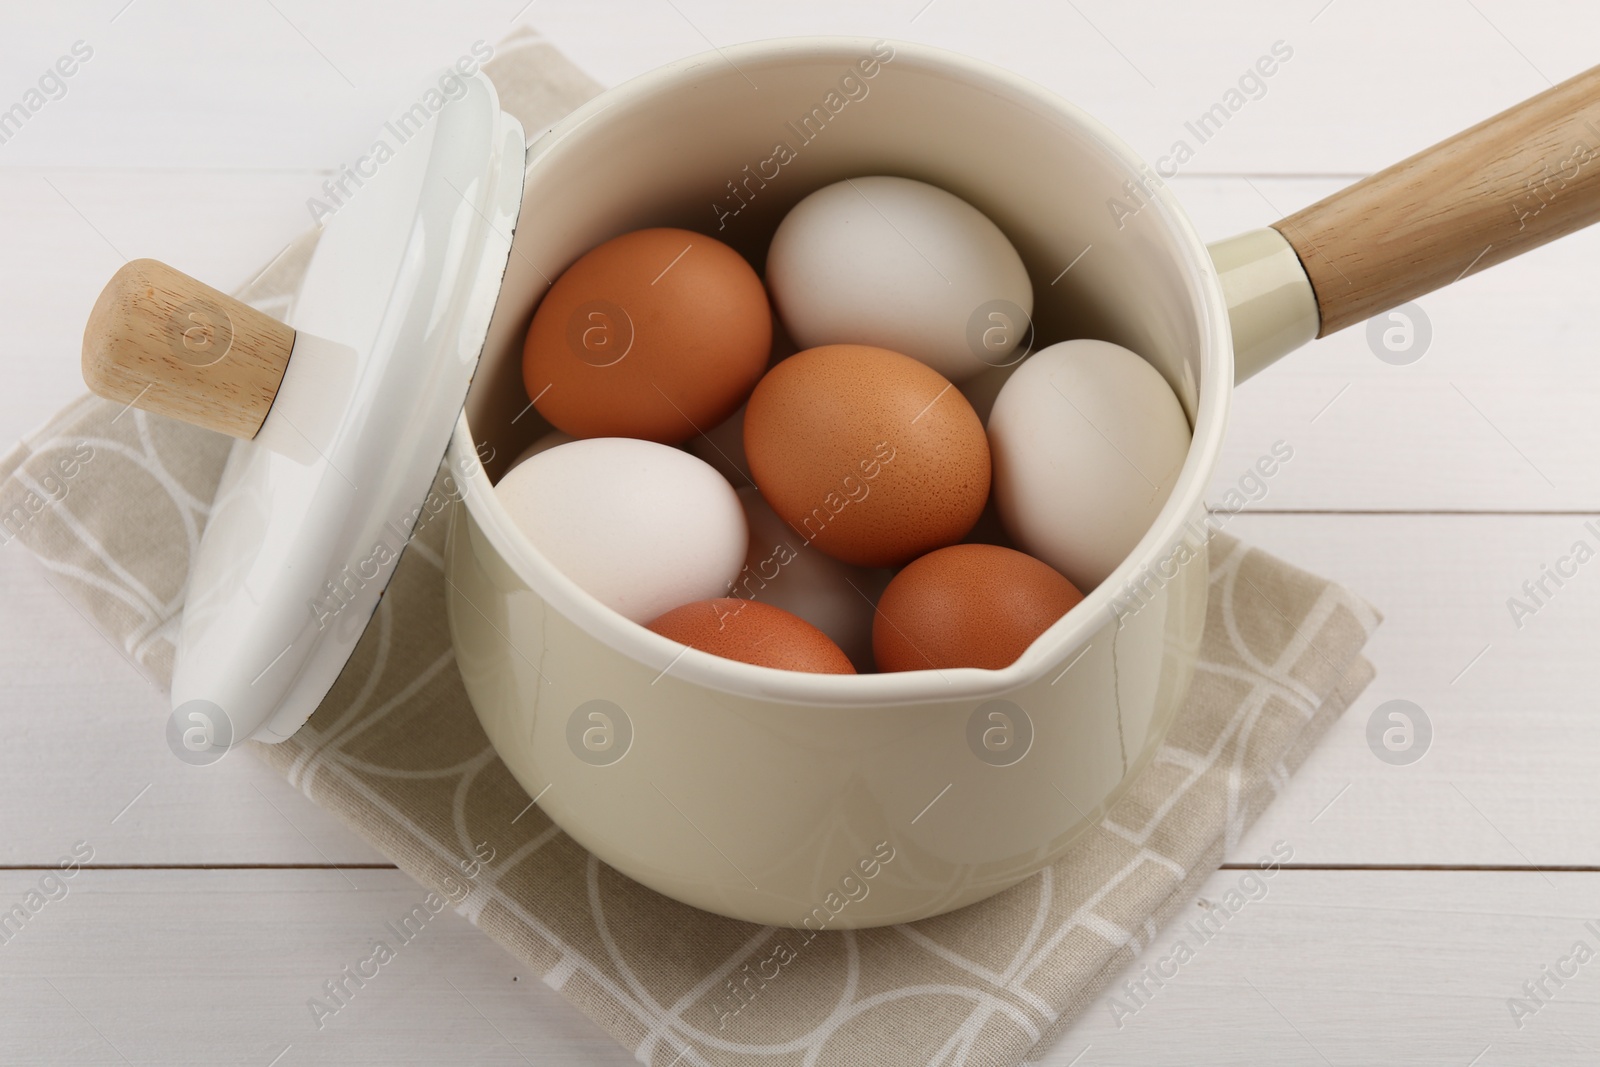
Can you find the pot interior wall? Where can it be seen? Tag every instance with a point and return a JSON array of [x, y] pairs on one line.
[[727, 152]]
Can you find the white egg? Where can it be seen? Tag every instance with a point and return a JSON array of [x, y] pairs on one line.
[[784, 570], [1087, 441], [902, 265], [641, 526], [543, 444]]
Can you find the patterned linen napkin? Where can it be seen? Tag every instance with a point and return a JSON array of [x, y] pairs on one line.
[[112, 502]]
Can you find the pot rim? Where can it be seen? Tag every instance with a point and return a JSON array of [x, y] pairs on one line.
[[1056, 645]]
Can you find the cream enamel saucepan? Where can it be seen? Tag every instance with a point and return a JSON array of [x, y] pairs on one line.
[[771, 796]]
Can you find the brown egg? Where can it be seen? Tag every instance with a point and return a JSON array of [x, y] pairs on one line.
[[658, 334], [872, 456], [967, 606], [753, 632]]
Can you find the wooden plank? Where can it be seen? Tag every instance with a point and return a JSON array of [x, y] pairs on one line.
[[180, 967], [1395, 967], [209, 967], [291, 84], [86, 758], [307, 84], [1494, 413], [1508, 778]]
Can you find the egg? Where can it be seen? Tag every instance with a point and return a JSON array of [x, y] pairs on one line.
[[902, 265], [753, 632], [543, 444], [782, 570], [967, 606], [640, 526], [658, 334], [1088, 440], [870, 455]]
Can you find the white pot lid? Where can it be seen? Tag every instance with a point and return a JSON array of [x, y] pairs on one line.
[[312, 514]]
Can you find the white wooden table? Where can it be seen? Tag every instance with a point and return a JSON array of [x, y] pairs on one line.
[[1420, 898]]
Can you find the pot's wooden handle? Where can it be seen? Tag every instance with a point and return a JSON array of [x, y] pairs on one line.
[[160, 340], [1527, 176]]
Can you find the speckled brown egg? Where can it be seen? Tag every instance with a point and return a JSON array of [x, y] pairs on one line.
[[752, 632], [871, 456], [658, 334], [967, 606]]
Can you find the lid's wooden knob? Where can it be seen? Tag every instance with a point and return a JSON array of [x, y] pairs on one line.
[[159, 340]]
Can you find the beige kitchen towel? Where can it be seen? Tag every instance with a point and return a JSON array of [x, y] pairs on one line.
[[112, 502]]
